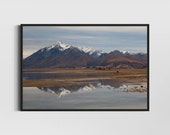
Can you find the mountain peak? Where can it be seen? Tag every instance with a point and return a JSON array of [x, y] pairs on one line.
[[87, 49], [124, 52], [59, 45], [63, 45], [91, 51]]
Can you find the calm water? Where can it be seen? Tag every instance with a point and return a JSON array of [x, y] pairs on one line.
[[103, 94], [92, 94], [38, 75]]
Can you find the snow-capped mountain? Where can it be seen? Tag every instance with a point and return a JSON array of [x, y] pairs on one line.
[[91, 51], [125, 52], [59, 45], [64, 46], [64, 55]]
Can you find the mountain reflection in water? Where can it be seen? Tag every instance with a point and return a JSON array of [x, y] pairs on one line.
[[114, 85]]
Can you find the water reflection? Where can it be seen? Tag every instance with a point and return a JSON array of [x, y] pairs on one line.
[[109, 84], [61, 91]]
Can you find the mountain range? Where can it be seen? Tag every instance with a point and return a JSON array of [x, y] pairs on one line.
[[62, 55]]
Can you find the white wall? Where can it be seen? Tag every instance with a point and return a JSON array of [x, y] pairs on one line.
[[156, 13]]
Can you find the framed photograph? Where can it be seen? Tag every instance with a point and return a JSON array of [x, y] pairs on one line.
[[85, 67]]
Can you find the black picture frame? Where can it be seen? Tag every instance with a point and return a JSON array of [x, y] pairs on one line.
[[21, 67]]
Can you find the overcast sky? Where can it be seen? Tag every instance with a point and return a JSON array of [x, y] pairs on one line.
[[106, 38]]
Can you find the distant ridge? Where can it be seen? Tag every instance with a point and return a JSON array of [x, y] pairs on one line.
[[62, 55]]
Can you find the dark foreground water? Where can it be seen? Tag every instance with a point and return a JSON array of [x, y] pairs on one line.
[[94, 95]]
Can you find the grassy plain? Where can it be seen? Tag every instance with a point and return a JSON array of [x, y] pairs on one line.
[[83, 75]]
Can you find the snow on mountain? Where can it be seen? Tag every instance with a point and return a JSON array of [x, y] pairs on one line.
[[131, 53], [63, 46], [60, 45], [127, 52], [124, 52], [87, 50], [90, 51]]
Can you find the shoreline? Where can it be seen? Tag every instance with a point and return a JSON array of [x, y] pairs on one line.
[[131, 76]]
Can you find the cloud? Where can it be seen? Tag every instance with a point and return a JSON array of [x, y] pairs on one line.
[[105, 38], [107, 28]]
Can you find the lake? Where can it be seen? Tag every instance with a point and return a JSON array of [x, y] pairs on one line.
[[78, 89], [95, 95]]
